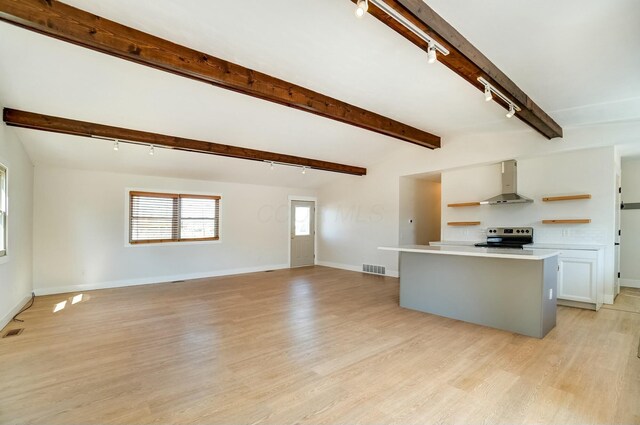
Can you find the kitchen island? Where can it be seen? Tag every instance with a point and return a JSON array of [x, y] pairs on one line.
[[508, 289]]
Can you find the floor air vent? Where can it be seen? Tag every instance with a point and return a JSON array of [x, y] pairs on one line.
[[370, 268], [13, 332]]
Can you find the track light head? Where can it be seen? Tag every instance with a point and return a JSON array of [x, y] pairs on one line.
[[116, 146], [271, 166], [487, 94], [363, 6], [304, 170], [431, 53], [152, 150], [512, 111]]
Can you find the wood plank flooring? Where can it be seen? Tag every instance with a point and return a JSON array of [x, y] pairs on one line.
[[627, 300], [308, 346]]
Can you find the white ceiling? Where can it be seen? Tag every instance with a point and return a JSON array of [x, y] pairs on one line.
[[547, 47]]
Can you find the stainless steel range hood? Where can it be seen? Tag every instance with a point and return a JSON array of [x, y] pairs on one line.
[[509, 193]]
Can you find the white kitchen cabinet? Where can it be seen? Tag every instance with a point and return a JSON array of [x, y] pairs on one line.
[[580, 277], [577, 279]]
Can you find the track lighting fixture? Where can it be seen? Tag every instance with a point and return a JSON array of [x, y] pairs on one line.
[[431, 53], [434, 46], [487, 94], [152, 150], [272, 166], [363, 6], [116, 146], [489, 91]]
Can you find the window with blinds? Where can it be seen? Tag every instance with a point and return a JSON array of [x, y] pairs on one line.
[[170, 217], [3, 210]]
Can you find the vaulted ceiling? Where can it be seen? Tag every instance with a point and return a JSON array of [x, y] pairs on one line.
[[574, 58]]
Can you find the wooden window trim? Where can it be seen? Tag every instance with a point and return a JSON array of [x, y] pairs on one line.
[[158, 241], [172, 195], [177, 216]]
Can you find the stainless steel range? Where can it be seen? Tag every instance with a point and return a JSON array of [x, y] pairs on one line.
[[507, 237]]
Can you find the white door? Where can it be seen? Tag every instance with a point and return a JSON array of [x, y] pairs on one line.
[[303, 233]]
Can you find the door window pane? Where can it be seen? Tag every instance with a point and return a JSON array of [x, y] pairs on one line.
[[303, 221]]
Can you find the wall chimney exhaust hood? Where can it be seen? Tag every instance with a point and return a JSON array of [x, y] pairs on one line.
[[509, 193]]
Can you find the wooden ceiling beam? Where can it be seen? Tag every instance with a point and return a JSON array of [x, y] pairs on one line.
[[76, 26], [34, 121], [465, 59]]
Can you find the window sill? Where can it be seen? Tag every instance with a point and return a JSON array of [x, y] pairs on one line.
[[170, 244]]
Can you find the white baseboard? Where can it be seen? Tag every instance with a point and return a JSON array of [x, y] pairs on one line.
[[153, 280], [608, 299], [391, 273], [7, 318], [631, 283]]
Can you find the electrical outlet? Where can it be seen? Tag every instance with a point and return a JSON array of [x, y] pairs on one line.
[[565, 233]]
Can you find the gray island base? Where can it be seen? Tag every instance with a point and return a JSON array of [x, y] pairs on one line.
[[512, 290]]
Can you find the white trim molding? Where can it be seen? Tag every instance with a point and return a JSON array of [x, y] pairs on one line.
[[156, 280], [7, 318]]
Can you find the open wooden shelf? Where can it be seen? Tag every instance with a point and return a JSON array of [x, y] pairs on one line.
[[573, 221], [463, 223], [464, 204], [566, 198]]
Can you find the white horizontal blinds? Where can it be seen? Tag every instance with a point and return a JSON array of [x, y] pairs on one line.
[[3, 211], [154, 217], [166, 217], [199, 217]]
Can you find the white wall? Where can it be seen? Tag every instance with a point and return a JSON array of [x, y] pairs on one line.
[[630, 225], [16, 267], [358, 216], [419, 213], [588, 171], [80, 231]]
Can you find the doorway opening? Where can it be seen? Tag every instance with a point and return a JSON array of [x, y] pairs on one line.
[[420, 209]]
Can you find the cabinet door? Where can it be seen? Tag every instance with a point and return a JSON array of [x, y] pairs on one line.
[[577, 279]]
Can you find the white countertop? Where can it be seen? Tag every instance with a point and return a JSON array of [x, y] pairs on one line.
[[472, 251], [588, 247]]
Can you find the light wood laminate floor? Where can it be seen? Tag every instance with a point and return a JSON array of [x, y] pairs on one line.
[[313, 345]]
